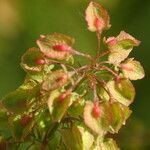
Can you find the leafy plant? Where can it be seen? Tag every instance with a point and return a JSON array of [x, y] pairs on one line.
[[66, 107]]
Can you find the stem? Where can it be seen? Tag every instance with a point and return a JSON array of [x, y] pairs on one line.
[[98, 42], [83, 54], [103, 54], [104, 85], [77, 83], [110, 70], [79, 70]]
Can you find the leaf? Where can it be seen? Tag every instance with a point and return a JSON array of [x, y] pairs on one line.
[[109, 144], [98, 125], [87, 138], [104, 144], [5, 131], [119, 115], [122, 91], [132, 69], [72, 138], [82, 139], [103, 94], [46, 43], [97, 17], [120, 47], [55, 80], [16, 101], [33, 60], [112, 117], [57, 107], [76, 109], [20, 126]]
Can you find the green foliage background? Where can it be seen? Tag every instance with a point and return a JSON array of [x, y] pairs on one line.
[[22, 21]]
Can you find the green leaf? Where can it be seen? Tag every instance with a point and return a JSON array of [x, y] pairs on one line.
[[57, 107], [103, 94], [30, 58], [16, 101], [55, 141], [97, 17], [46, 43], [82, 139], [76, 109], [122, 91], [109, 144], [55, 80], [119, 114], [72, 138], [120, 47], [5, 131], [87, 138], [21, 126], [104, 144], [132, 69]]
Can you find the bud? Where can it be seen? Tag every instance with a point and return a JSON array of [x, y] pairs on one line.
[[40, 61], [111, 41], [64, 95], [96, 110], [62, 47], [25, 120], [99, 24], [126, 67]]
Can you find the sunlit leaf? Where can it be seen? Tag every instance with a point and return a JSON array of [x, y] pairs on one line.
[[121, 46], [122, 91], [76, 109], [87, 138], [132, 69], [100, 125], [72, 138], [55, 80], [109, 144], [46, 44], [33, 60], [82, 139], [119, 115], [97, 17], [103, 94], [57, 107]]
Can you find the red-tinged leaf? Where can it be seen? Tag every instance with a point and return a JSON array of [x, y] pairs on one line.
[[132, 69], [33, 60], [56, 46], [120, 47], [99, 125], [122, 91], [20, 130], [54, 80], [57, 107], [97, 17]]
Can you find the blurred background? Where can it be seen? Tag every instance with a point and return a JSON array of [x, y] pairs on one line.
[[22, 21]]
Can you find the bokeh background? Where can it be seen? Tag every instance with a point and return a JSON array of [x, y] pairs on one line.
[[22, 21]]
